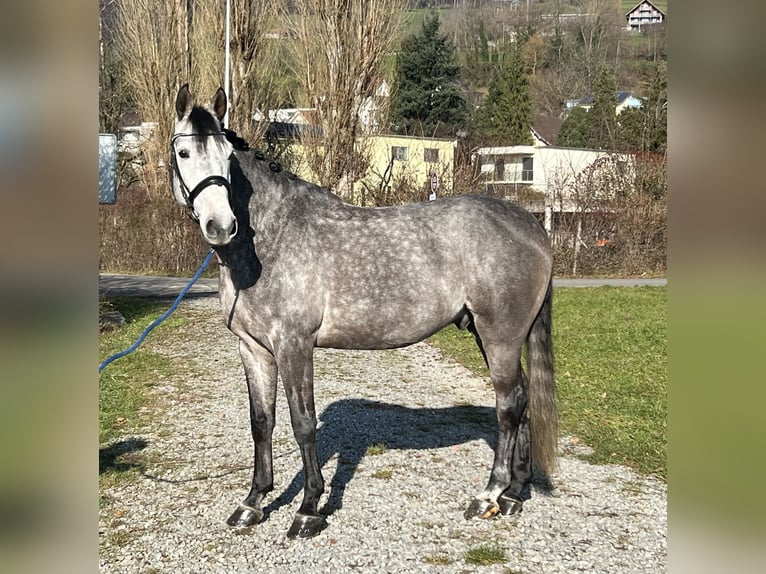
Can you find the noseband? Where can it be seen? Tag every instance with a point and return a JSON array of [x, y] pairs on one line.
[[190, 196]]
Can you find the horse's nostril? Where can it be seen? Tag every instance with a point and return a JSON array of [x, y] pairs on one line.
[[220, 232]]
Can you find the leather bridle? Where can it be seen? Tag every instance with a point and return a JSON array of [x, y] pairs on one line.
[[190, 195]]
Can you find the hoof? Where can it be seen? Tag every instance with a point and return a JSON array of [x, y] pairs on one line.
[[509, 505], [245, 516], [483, 509], [306, 526]]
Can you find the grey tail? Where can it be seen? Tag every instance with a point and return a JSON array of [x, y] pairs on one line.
[[542, 409]]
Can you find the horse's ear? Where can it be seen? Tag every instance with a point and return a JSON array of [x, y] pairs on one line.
[[219, 104], [184, 102]]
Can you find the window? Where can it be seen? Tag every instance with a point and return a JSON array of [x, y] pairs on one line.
[[431, 155], [526, 169], [399, 153]]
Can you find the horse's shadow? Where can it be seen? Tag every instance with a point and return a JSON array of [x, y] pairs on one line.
[[121, 456], [349, 427]]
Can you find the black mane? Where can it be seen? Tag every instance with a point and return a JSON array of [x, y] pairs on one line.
[[239, 143]]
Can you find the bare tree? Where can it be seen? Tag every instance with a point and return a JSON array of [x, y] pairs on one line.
[[112, 98], [597, 35], [578, 48], [150, 40], [613, 216], [252, 77], [163, 44], [206, 46], [253, 83], [338, 56]]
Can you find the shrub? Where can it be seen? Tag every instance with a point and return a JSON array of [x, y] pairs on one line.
[[143, 235]]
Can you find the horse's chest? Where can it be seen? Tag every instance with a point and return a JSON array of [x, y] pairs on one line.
[[269, 307]]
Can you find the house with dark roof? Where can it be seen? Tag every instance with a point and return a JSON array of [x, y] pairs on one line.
[[644, 14], [623, 101]]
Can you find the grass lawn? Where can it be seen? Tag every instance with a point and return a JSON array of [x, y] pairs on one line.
[[610, 345], [124, 382]]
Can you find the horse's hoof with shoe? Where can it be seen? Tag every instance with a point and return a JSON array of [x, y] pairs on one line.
[[509, 505], [245, 516], [481, 508], [306, 526]]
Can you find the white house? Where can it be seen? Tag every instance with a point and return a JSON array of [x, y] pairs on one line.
[[369, 112], [644, 14], [550, 179]]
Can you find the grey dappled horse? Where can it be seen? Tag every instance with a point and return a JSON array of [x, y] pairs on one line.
[[299, 269]]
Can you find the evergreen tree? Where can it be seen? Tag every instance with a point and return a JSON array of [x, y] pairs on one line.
[[482, 47], [575, 131], [506, 116], [477, 71], [602, 117], [596, 128], [656, 112], [428, 100], [645, 129], [631, 135]]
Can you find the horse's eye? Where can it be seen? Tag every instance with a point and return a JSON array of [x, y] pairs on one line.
[[184, 153]]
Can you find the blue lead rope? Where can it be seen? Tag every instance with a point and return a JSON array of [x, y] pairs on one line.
[[164, 316]]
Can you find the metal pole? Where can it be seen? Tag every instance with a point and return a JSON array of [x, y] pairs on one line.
[[226, 63]]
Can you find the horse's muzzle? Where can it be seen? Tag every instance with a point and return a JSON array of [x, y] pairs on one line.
[[217, 232]]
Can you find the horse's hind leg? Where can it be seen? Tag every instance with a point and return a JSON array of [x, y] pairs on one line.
[[261, 373], [521, 460], [512, 468]]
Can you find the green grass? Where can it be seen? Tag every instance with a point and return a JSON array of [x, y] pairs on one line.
[[610, 345], [376, 449], [124, 382], [485, 554]]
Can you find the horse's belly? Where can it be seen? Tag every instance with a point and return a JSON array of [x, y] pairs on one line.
[[382, 329], [370, 339]]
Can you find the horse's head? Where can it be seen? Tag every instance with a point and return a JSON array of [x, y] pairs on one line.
[[199, 161]]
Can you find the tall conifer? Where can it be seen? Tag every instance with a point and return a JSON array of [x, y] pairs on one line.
[[602, 115], [505, 118], [428, 99]]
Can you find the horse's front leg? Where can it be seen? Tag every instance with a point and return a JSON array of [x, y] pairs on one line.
[[296, 363], [261, 373]]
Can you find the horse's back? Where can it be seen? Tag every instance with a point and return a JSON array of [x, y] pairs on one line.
[[450, 218], [489, 219]]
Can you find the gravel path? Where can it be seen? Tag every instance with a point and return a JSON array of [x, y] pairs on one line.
[[396, 508]]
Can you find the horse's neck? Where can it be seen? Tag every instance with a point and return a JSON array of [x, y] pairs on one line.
[[275, 193], [266, 203]]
